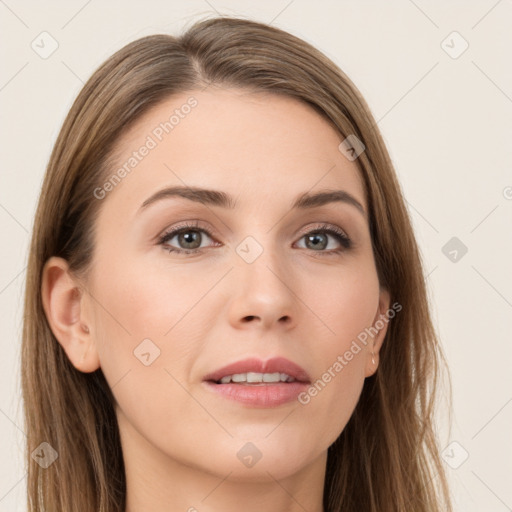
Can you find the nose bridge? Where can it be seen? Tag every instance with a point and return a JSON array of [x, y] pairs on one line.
[[261, 261], [263, 287]]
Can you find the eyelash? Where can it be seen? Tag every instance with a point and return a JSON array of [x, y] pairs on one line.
[[328, 229]]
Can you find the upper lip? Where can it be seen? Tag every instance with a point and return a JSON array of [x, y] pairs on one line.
[[274, 365]]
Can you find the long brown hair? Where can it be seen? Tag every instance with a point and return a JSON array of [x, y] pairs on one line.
[[387, 458]]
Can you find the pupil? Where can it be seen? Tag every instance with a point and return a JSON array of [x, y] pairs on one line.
[[318, 240], [190, 239]]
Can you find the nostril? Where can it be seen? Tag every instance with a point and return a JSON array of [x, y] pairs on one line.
[[249, 318]]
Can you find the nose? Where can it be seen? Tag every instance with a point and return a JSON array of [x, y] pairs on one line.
[[262, 294]]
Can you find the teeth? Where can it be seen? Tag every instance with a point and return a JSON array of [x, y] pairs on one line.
[[253, 377]]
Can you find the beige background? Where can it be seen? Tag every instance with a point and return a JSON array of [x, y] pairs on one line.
[[447, 122]]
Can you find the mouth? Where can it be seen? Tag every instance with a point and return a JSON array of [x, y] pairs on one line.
[[259, 383], [256, 379], [257, 372]]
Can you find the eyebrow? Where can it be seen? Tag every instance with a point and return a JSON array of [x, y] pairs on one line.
[[223, 200]]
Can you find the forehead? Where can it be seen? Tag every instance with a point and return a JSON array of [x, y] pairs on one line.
[[244, 143]]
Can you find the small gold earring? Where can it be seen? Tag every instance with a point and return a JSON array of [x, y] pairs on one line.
[[373, 358], [85, 328]]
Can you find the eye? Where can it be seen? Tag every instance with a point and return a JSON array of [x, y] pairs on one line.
[[188, 238], [191, 239], [319, 239]]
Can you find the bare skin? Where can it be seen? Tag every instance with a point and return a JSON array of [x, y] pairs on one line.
[[209, 308]]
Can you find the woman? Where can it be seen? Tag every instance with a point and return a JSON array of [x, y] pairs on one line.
[[225, 298]]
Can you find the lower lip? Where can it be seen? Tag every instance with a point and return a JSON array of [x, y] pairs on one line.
[[266, 395]]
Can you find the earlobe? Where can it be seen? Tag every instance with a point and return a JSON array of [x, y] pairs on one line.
[[380, 324], [62, 300]]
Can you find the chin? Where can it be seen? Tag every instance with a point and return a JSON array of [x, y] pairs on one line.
[[275, 467], [255, 459]]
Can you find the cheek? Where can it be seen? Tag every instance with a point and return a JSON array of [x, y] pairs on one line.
[[347, 304], [148, 332], [346, 300], [141, 311], [148, 299], [332, 398]]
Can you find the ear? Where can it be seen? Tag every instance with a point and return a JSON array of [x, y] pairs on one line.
[[378, 331], [62, 298]]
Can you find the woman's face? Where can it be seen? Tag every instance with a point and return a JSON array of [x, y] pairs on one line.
[[258, 278]]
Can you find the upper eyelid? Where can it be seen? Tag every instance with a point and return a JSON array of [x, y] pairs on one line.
[[178, 229], [210, 231]]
